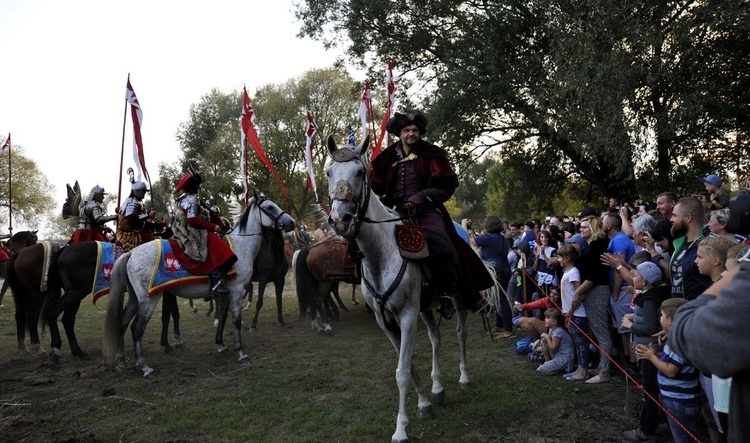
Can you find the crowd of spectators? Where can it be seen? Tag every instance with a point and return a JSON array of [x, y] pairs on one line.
[[598, 293]]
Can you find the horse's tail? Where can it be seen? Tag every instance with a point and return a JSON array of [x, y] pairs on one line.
[[304, 282], [118, 283]]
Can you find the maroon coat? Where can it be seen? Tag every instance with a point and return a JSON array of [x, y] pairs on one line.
[[437, 181]]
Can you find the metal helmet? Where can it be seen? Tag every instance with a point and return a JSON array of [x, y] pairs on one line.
[[139, 190], [138, 186], [215, 210], [97, 193]]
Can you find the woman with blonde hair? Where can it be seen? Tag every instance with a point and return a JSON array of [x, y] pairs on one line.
[[594, 292]]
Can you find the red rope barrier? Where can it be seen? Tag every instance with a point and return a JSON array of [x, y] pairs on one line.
[[601, 352]]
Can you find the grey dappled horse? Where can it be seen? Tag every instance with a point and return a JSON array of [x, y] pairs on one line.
[[132, 272], [387, 278]]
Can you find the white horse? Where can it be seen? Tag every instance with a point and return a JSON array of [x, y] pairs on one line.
[[391, 285], [134, 270]]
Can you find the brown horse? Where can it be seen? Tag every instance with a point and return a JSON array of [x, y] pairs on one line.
[[270, 266], [27, 310], [318, 272]]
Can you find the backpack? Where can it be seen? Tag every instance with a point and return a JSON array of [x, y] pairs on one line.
[[523, 346]]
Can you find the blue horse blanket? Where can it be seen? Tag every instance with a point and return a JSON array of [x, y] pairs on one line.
[[167, 272]]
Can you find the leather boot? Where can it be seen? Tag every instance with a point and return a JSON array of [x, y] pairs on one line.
[[218, 286]]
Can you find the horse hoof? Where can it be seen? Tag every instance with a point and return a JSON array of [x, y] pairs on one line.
[[195, 310], [168, 350], [252, 329], [244, 358], [463, 384], [82, 356], [222, 348], [216, 323], [178, 342], [399, 440], [146, 371], [438, 397], [54, 357], [425, 411]]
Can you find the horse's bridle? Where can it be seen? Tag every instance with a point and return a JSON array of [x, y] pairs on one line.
[[274, 218], [344, 191]]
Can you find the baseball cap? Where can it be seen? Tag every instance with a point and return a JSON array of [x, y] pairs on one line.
[[577, 238], [712, 179], [649, 271]]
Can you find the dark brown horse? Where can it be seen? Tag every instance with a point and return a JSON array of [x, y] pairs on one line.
[[27, 310], [318, 272], [270, 266]]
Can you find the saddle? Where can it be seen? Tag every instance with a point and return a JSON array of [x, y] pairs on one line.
[[338, 264]]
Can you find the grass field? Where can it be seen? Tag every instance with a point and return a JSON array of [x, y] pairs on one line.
[[298, 387]]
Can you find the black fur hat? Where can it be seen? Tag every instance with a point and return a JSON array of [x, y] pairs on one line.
[[409, 117]]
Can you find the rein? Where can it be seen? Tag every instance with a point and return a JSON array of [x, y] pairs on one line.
[[274, 219], [344, 155]]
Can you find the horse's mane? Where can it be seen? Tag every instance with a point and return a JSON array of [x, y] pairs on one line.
[[242, 222]]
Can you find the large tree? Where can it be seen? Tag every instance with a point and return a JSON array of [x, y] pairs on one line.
[[29, 191], [606, 88]]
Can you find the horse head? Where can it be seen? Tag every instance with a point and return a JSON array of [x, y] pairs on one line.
[[23, 239], [348, 186], [270, 215]]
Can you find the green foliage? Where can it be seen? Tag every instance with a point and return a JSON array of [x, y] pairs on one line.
[[29, 189], [210, 139], [627, 97]]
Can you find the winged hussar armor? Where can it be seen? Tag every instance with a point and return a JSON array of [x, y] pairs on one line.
[[72, 205]]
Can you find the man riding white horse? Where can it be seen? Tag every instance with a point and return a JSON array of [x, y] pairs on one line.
[[134, 222], [199, 250], [416, 178]]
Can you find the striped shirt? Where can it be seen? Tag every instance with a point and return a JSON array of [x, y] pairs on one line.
[[685, 385]]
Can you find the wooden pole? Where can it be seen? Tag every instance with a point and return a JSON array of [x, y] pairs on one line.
[[122, 152], [10, 190]]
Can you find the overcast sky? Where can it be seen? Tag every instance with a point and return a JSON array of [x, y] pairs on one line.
[[64, 66]]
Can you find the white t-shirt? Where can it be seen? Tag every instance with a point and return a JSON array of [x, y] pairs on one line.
[[566, 286]]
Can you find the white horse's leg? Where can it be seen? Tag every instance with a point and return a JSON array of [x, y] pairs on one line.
[[145, 310], [404, 344], [462, 333], [235, 306], [438, 392]]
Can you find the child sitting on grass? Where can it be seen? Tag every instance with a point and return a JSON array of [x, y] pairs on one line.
[[532, 325], [678, 381], [556, 345]]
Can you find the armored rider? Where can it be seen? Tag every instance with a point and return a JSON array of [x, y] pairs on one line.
[[134, 222], [196, 242], [92, 219]]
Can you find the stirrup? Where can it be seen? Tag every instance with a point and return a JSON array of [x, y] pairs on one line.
[[446, 309], [218, 287]]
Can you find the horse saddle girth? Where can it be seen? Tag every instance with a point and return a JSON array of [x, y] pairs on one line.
[[338, 264]]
